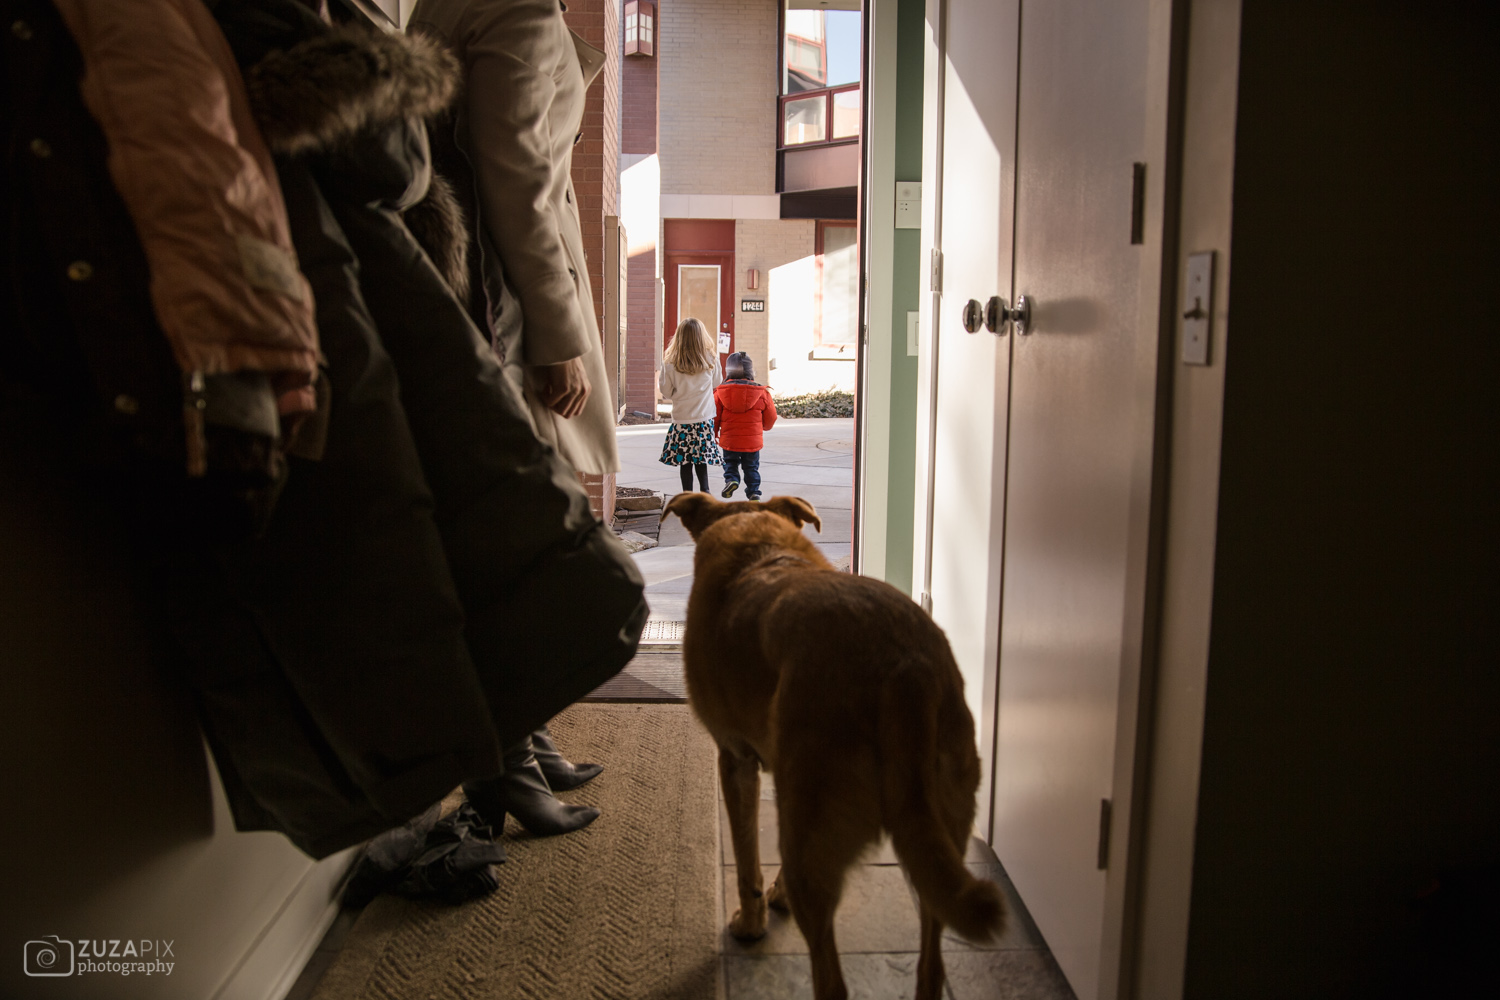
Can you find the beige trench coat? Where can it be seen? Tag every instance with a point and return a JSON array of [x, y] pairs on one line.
[[525, 77]]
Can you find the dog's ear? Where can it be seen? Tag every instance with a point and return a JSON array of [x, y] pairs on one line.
[[794, 509], [697, 511]]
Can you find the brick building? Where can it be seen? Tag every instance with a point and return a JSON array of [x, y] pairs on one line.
[[734, 204], [596, 182]]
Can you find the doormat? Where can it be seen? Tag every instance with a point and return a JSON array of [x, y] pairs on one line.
[[625, 908]]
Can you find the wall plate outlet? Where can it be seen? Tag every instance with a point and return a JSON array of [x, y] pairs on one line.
[[908, 204], [913, 333]]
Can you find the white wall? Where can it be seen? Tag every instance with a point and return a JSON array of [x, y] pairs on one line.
[[790, 300]]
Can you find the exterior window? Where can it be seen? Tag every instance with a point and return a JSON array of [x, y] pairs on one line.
[[804, 120], [640, 28], [845, 113], [820, 100]]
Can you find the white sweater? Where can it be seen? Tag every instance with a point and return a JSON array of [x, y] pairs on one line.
[[692, 396]]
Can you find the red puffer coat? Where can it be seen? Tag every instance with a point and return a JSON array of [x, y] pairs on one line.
[[743, 412]]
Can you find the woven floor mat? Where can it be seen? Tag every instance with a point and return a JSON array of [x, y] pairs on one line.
[[623, 910]]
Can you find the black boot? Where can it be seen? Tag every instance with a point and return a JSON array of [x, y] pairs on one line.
[[561, 773], [523, 793]]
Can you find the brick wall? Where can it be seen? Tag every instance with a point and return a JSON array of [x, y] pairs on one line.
[[596, 176], [717, 132], [601, 491], [764, 244], [639, 109], [596, 158], [641, 334], [638, 76]]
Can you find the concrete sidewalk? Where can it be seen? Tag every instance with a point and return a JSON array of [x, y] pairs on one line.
[[812, 458]]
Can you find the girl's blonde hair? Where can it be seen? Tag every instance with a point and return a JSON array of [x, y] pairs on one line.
[[692, 349]]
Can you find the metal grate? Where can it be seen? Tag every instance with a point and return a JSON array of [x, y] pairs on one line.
[[662, 633]]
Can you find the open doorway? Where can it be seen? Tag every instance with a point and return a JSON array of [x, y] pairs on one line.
[[739, 188], [740, 172]]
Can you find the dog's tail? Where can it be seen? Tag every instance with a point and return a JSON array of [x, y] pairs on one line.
[[923, 830]]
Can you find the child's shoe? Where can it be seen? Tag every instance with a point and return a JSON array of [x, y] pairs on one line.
[[729, 489], [754, 497]]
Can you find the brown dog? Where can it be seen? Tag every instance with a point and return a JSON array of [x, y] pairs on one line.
[[848, 694]]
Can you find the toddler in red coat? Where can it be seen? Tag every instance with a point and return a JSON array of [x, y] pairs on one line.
[[743, 412]]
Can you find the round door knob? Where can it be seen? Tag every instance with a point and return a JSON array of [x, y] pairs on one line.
[[996, 316], [973, 317]]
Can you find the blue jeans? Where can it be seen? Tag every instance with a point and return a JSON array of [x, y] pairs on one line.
[[750, 460]]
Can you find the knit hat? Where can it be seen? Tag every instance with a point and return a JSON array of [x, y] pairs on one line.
[[739, 365]]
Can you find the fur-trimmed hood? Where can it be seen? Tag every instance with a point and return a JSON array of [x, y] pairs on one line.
[[313, 86], [323, 91], [353, 97]]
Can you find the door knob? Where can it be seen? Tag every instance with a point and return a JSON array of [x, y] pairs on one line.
[[973, 317], [1021, 315]]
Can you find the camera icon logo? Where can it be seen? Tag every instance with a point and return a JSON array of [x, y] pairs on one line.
[[50, 956]]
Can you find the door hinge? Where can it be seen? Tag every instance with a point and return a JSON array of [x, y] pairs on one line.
[[935, 280], [1104, 811], [926, 601]]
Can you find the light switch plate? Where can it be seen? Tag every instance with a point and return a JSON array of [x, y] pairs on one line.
[[913, 330], [1197, 308], [908, 204]]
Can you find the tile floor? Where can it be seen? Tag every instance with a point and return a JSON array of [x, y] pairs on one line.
[[877, 931]]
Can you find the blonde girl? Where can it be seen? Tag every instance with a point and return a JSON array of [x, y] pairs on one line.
[[689, 373]]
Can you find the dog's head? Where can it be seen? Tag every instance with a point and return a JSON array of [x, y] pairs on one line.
[[699, 510]]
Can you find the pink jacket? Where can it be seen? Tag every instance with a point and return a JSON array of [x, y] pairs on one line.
[[200, 186]]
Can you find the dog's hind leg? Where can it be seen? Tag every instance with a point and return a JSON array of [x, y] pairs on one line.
[[820, 840], [739, 775], [930, 964], [814, 883]]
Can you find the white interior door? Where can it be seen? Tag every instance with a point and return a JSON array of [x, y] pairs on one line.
[[1035, 122], [1076, 419], [968, 372]]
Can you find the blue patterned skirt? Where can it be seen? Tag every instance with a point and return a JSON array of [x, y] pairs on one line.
[[691, 444]]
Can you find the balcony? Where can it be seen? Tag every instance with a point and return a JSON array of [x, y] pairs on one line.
[[818, 143]]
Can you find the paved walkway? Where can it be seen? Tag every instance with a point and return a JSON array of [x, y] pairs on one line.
[[812, 458]]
